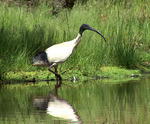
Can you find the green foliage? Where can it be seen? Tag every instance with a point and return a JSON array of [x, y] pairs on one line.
[[125, 25]]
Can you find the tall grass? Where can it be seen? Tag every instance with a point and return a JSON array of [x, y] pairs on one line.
[[24, 31]]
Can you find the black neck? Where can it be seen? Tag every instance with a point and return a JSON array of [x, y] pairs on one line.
[[81, 30]]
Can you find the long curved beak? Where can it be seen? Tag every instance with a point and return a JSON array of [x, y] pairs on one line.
[[97, 32]]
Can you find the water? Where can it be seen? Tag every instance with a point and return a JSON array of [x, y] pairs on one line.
[[91, 102]]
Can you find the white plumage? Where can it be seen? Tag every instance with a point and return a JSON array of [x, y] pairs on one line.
[[61, 52]]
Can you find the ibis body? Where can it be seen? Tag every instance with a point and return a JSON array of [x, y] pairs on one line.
[[59, 53]]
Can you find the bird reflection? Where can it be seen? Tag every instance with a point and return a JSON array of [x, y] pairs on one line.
[[56, 107]]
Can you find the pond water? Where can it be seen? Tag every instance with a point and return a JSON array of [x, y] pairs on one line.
[[91, 102]]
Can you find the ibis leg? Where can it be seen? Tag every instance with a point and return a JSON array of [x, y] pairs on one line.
[[56, 74]]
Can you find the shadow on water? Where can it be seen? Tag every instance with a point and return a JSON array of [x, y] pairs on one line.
[[56, 107]]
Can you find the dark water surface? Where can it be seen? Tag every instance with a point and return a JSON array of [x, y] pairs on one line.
[[92, 102]]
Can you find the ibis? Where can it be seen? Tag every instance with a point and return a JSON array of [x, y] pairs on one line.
[[59, 53]]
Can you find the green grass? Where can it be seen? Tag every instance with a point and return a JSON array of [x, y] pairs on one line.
[[125, 25]]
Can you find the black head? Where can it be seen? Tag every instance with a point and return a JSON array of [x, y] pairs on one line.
[[40, 59], [87, 27]]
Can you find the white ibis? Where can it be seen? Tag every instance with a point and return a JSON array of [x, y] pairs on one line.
[[59, 53]]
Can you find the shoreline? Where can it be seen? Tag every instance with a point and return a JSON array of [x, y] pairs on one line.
[[107, 72]]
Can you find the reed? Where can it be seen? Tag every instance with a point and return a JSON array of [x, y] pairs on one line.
[[25, 31]]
